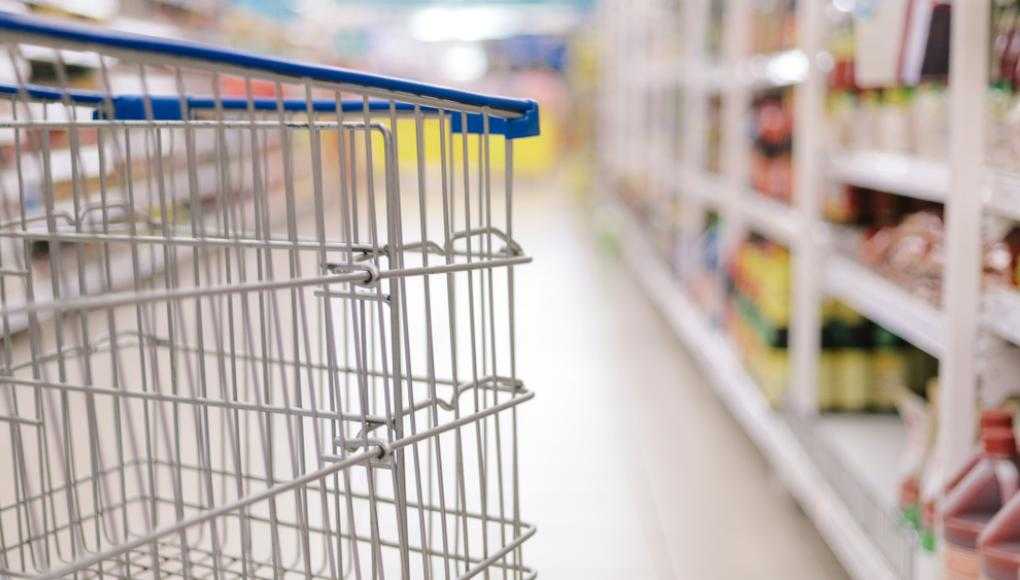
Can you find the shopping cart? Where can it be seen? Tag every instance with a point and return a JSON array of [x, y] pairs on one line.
[[257, 316]]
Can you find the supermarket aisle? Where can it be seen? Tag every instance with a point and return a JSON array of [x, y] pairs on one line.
[[631, 467]]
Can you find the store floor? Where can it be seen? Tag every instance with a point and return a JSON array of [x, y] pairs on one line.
[[631, 468]]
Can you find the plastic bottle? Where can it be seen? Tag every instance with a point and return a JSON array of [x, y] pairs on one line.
[[990, 419], [999, 543], [974, 502], [889, 368]]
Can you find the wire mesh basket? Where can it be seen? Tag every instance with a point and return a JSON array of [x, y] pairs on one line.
[[257, 316]]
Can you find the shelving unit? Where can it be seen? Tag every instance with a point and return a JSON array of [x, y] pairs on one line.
[[870, 447], [1001, 314], [769, 217], [884, 302], [1004, 195], [780, 443], [844, 462], [892, 172]]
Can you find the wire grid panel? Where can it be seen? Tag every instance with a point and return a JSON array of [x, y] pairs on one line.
[[257, 317]]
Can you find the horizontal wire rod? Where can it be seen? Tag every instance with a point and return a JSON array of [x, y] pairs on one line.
[[138, 298], [333, 465]]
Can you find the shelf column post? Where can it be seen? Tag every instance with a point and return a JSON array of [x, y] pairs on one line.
[[968, 78], [694, 105], [806, 323], [736, 104]]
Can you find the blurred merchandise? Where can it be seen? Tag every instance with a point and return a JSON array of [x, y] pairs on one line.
[[999, 543], [758, 312], [878, 96], [911, 253], [969, 507], [896, 196], [713, 140], [1003, 128], [903, 239], [714, 32], [924, 504], [920, 416], [908, 120], [701, 266], [772, 154], [862, 366], [773, 25]]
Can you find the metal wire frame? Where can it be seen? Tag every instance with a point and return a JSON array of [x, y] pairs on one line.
[[268, 371]]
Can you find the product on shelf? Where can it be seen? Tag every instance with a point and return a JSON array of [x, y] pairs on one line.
[[758, 312], [887, 85], [905, 120], [910, 253], [999, 543], [634, 191], [972, 504], [1003, 127], [844, 381], [713, 141], [716, 26], [700, 266], [930, 118], [773, 25], [919, 419], [898, 237], [919, 508], [772, 154], [902, 239], [878, 36], [864, 367]]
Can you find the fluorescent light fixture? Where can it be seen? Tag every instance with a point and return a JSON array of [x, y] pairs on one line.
[[464, 23]]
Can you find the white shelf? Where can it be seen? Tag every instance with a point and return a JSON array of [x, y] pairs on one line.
[[1001, 314], [1005, 194], [705, 188], [869, 446], [769, 217], [833, 518], [712, 77], [892, 172], [761, 71], [773, 219], [886, 303]]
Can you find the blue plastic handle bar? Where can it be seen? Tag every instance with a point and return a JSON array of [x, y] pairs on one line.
[[168, 108], [524, 124]]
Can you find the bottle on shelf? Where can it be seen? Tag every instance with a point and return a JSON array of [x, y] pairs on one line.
[[999, 544], [978, 497], [995, 418]]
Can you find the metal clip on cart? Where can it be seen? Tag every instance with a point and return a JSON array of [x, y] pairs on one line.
[[256, 317]]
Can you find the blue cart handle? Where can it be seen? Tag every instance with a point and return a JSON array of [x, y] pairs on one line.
[[515, 117]]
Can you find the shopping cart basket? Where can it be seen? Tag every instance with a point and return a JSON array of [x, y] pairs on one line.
[[257, 316]]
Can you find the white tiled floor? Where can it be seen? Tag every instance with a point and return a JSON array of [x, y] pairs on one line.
[[630, 466]]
